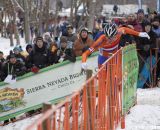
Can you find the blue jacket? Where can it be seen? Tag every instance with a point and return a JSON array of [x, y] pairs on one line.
[[98, 35]]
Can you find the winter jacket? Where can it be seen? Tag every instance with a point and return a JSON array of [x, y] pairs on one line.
[[145, 45], [17, 69], [40, 57], [81, 46]]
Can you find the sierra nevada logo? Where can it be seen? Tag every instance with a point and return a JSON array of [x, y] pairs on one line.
[[11, 98]]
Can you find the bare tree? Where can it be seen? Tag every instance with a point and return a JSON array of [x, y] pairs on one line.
[[71, 12], [46, 15], [11, 25], [26, 22], [17, 5], [15, 24], [40, 16]]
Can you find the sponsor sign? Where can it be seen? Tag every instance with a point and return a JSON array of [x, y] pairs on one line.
[[130, 67], [49, 85]]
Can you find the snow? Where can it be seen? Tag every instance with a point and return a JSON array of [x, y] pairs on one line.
[[20, 125], [5, 45], [144, 116]]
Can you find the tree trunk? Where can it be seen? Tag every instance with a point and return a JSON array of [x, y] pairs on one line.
[[56, 21], [47, 15], [26, 22], [71, 12], [15, 25], [92, 6], [5, 24], [10, 29], [11, 39], [40, 19]]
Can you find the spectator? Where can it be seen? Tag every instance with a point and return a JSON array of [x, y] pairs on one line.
[[83, 43], [140, 19], [145, 45], [71, 37], [47, 39], [152, 15], [99, 33], [53, 49], [2, 61], [18, 55], [13, 67], [40, 56], [131, 21], [156, 28], [29, 48], [65, 53], [115, 9], [64, 26], [140, 16]]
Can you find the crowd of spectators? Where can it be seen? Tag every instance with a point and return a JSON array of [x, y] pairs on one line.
[[69, 42]]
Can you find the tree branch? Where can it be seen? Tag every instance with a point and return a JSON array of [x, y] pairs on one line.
[[18, 5]]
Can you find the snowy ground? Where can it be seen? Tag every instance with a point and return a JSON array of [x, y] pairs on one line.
[[5, 45], [20, 125], [146, 114]]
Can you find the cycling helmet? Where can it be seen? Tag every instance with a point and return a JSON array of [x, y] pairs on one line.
[[110, 30], [104, 24]]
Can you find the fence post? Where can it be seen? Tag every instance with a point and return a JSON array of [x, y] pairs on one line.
[[89, 94], [46, 124], [157, 59], [123, 122]]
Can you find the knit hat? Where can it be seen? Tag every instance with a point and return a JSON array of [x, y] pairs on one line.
[[140, 11], [39, 38], [12, 56], [28, 46], [69, 26], [17, 48]]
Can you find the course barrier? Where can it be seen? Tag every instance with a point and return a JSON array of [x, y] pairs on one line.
[[97, 105], [50, 84]]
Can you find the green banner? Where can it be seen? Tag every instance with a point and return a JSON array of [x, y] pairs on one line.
[[130, 67]]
